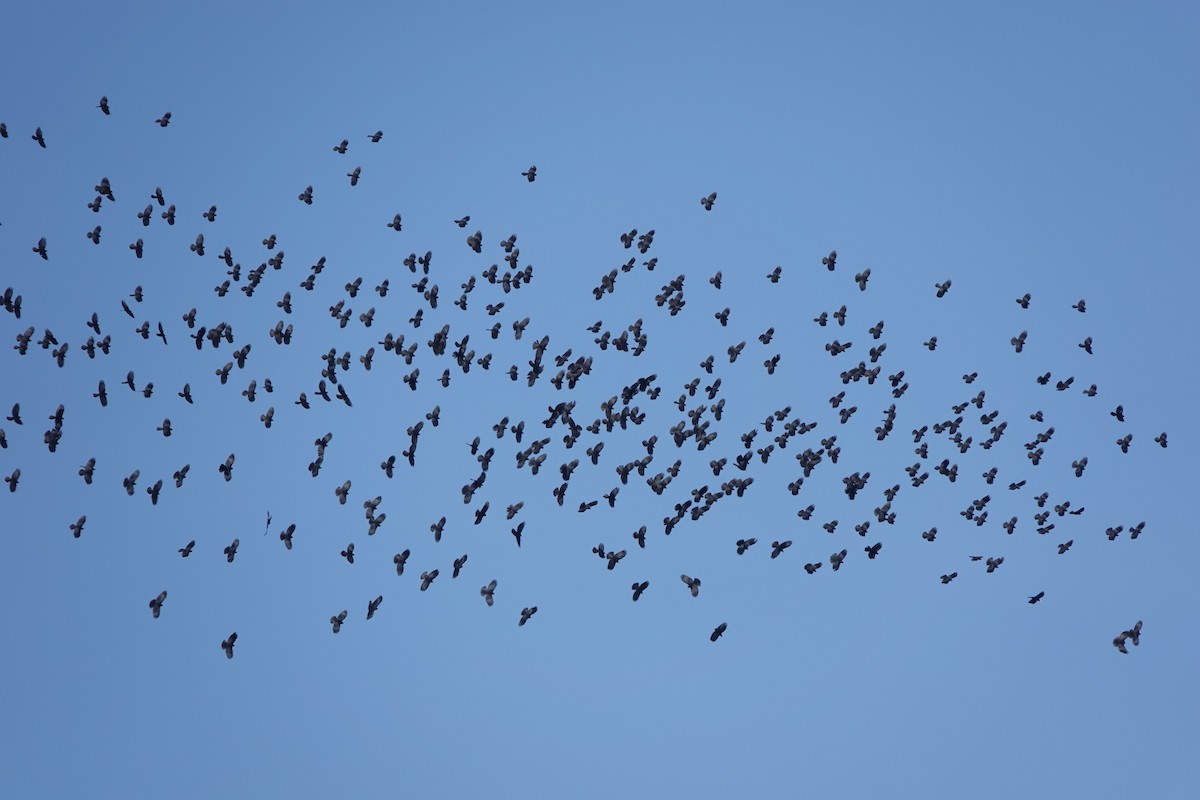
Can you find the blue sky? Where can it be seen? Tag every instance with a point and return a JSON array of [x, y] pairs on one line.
[[1047, 150]]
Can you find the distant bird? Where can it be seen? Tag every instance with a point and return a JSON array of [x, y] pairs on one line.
[[157, 603], [77, 526], [530, 174], [427, 578], [373, 606], [40, 249], [1081, 306], [942, 288], [708, 201], [354, 176], [231, 551], [1036, 598], [462, 223], [1023, 301], [227, 645], [163, 122], [517, 531], [376, 136], [526, 614], [348, 553], [459, 563], [186, 550], [947, 578], [488, 592], [693, 584], [779, 547], [745, 544], [395, 223], [716, 634], [341, 148], [638, 588], [337, 620], [39, 138]]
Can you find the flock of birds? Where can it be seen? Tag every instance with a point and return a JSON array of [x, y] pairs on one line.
[[697, 430]]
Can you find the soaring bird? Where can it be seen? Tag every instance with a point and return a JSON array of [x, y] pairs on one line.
[[1036, 598], [530, 174], [227, 644], [231, 551], [487, 593], [707, 202], [186, 550], [104, 107], [157, 603], [373, 606], [716, 634], [526, 613], [337, 620], [638, 588], [693, 584], [163, 122]]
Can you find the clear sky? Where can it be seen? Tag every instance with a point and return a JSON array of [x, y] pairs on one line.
[[1047, 149]]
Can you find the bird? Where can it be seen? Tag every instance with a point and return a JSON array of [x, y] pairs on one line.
[[337, 620], [376, 136], [373, 606], [227, 644], [354, 176], [77, 526], [638, 588], [1036, 598], [39, 138], [947, 578], [164, 120], [488, 592], [427, 578], [745, 544], [341, 148], [708, 201], [157, 603], [779, 547], [530, 174], [459, 563], [693, 584], [104, 107], [231, 551], [348, 553], [186, 550], [717, 632], [526, 614]]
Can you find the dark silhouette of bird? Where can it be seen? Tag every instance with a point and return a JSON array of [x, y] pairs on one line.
[[104, 107], [517, 531], [157, 603], [39, 138], [530, 174], [708, 201], [693, 584], [373, 606], [337, 620], [376, 136], [947, 578], [745, 544], [1036, 598], [227, 644], [526, 615], [164, 120], [186, 550], [354, 176], [427, 578], [459, 563], [231, 551], [488, 592], [778, 547], [638, 588], [717, 632]]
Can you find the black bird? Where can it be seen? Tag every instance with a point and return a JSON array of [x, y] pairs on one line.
[[348, 553], [373, 606], [40, 249], [488, 592], [459, 563], [77, 526], [638, 588], [779, 547], [336, 621], [526, 613], [745, 544], [157, 603], [950, 577], [708, 201], [104, 107], [427, 578], [693, 584], [530, 174], [400, 559], [39, 138], [341, 148], [227, 645], [163, 122], [376, 136], [285, 536], [1036, 598], [517, 531], [716, 634], [186, 550], [231, 551]]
